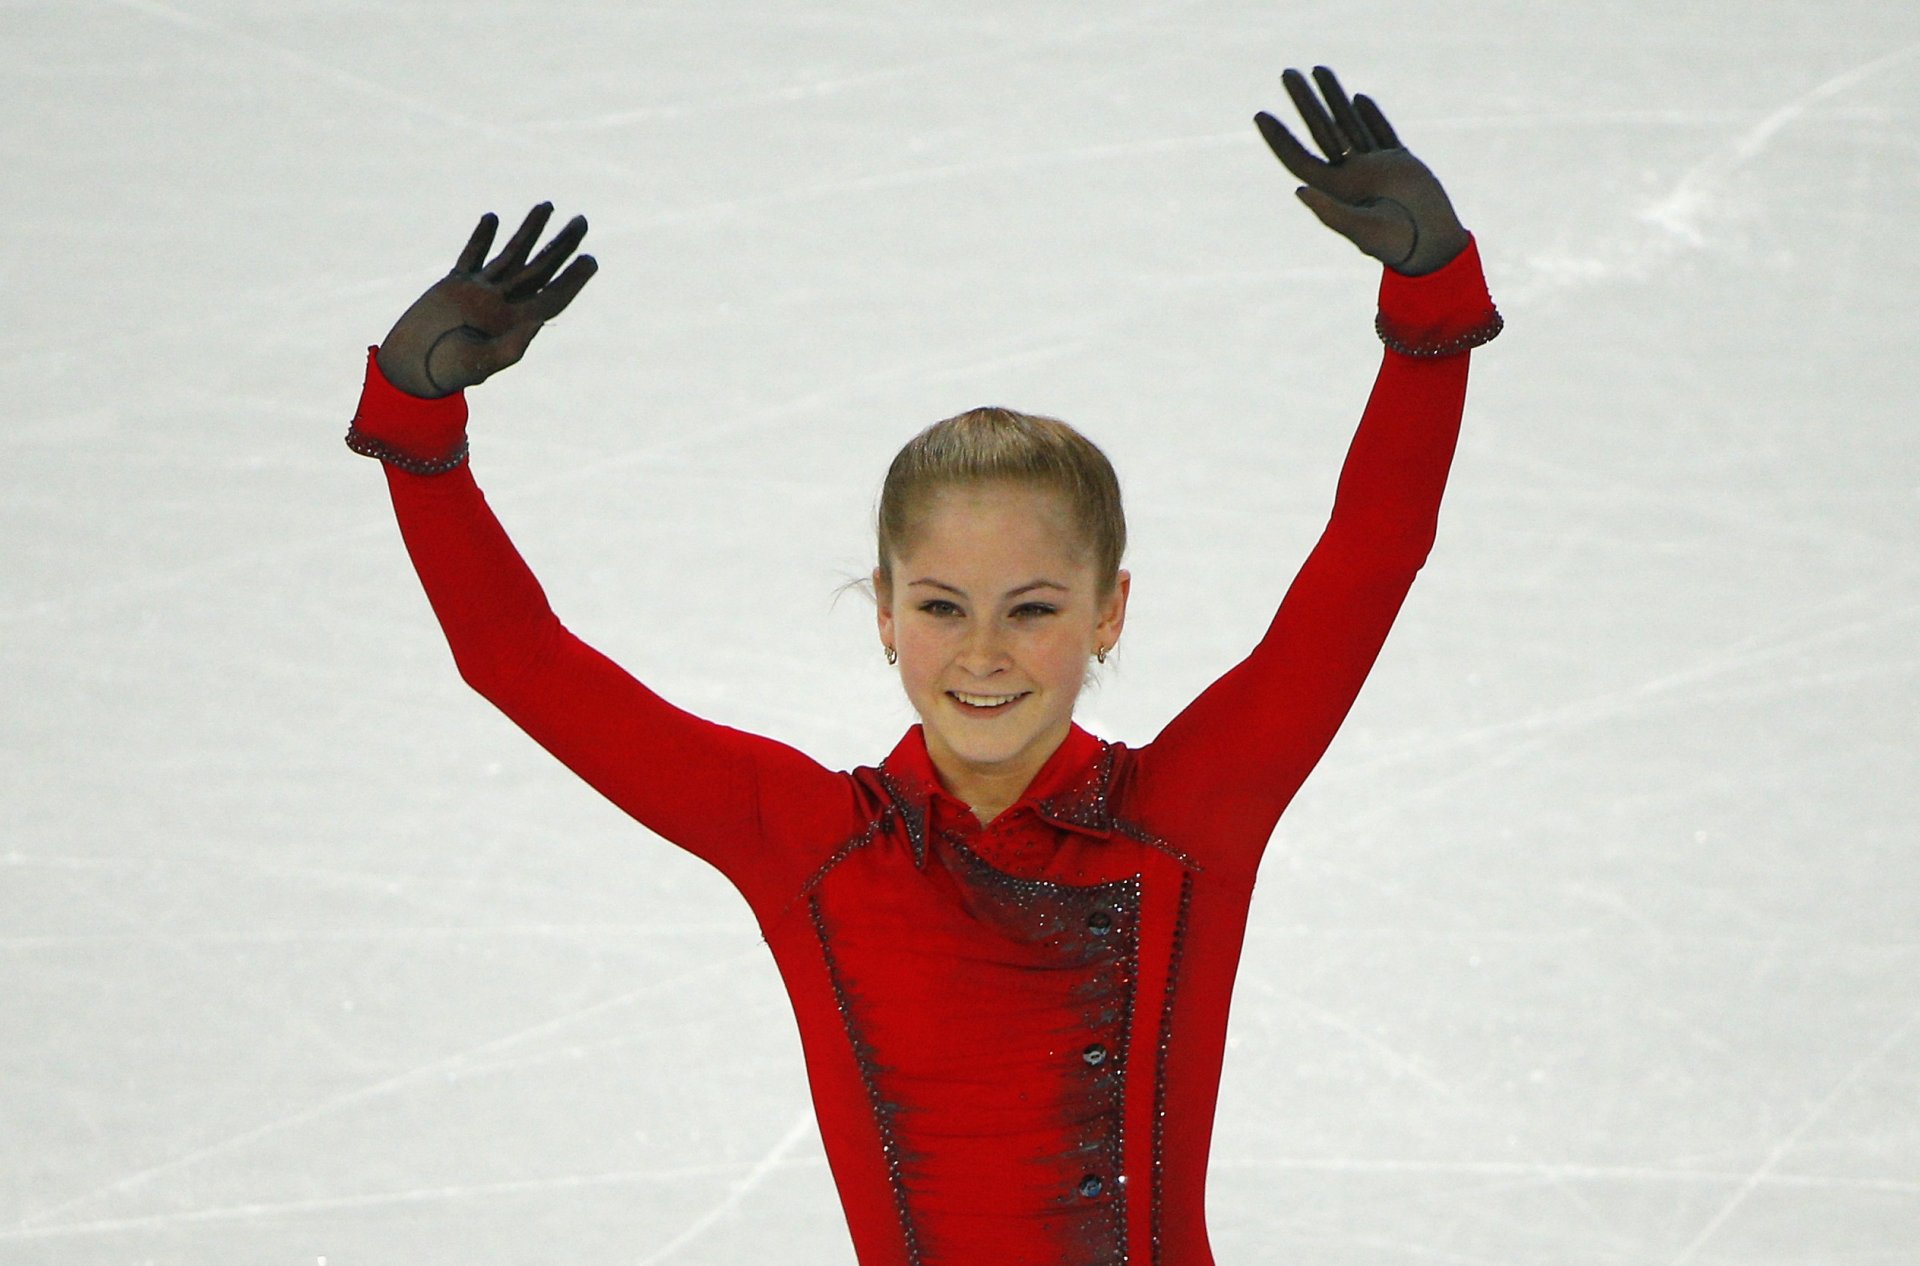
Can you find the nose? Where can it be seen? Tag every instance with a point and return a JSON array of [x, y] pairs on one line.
[[984, 652]]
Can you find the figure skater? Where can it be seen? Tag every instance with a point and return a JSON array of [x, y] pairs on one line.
[[1010, 946]]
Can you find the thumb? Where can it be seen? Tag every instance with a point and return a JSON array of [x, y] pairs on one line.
[[1381, 228], [467, 355]]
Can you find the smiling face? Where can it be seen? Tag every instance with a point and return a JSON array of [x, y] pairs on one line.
[[995, 608]]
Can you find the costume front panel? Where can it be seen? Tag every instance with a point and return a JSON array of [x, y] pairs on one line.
[[994, 1010]]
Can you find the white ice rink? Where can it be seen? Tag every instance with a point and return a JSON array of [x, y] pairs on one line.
[[1595, 940]]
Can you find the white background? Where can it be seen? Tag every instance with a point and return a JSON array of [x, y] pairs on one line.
[[1594, 940]]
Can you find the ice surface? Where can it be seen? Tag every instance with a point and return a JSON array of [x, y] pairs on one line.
[[1596, 938]]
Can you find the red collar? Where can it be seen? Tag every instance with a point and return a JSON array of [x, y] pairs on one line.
[[1070, 792], [1069, 788]]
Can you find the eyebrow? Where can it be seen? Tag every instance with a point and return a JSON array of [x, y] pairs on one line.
[[1011, 593]]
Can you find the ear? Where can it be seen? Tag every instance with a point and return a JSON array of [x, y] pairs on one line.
[[883, 605], [1113, 612]]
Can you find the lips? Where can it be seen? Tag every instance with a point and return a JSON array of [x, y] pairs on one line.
[[984, 705]]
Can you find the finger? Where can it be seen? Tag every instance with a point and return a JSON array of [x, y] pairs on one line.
[[1313, 116], [552, 301], [476, 248], [514, 254], [1376, 122], [540, 270], [1349, 123], [1291, 153]]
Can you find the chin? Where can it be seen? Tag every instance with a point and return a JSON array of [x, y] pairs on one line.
[[986, 755], [987, 742]]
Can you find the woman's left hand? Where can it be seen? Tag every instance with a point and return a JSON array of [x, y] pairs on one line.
[[1369, 188]]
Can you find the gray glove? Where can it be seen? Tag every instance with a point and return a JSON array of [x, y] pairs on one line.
[[478, 319], [1369, 189]]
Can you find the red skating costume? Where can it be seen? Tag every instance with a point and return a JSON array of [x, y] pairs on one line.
[[1013, 1034]]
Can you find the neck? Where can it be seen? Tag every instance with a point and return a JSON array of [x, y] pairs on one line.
[[990, 790]]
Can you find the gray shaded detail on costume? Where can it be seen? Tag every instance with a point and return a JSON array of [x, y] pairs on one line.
[[870, 1069], [1042, 911], [913, 816], [1140, 835], [1117, 1147], [1104, 1135], [1062, 917], [1157, 1224], [1087, 807]]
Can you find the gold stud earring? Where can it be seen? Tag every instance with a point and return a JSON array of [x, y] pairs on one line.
[[893, 656]]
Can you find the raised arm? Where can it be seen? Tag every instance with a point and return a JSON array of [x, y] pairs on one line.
[[1223, 770], [693, 782]]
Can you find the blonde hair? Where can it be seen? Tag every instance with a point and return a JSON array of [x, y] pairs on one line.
[[992, 444]]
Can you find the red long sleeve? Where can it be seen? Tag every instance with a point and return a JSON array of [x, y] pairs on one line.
[[701, 785], [1252, 737]]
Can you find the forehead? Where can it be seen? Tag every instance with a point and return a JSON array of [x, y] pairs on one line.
[[1019, 524]]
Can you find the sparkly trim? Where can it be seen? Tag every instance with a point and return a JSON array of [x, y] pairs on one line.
[[912, 818], [1481, 333], [1119, 1146], [1057, 914], [1047, 910], [1140, 835], [863, 1056], [913, 814], [1082, 808], [369, 446], [1160, 1061], [875, 829], [1086, 807]]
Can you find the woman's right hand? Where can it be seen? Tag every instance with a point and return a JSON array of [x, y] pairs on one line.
[[1368, 188], [478, 319]]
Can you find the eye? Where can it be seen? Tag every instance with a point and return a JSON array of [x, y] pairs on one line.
[[1029, 610], [939, 606]]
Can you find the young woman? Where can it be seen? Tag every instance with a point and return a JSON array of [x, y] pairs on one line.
[[1010, 945]]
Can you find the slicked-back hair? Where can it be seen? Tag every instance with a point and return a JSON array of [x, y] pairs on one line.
[[996, 445]]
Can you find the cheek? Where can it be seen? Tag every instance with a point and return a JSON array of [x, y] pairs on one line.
[[1063, 653], [922, 650], [922, 636]]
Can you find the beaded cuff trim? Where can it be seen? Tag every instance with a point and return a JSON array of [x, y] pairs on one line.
[[368, 446], [1481, 333]]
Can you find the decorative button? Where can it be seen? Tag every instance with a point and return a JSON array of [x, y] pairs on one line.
[[1090, 1185], [1095, 1055], [1100, 922]]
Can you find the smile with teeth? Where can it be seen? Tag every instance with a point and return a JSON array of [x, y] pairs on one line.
[[984, 703]]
